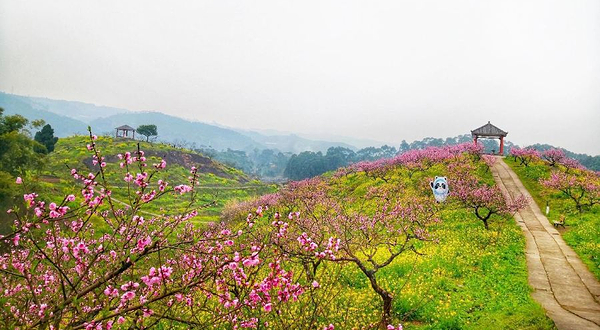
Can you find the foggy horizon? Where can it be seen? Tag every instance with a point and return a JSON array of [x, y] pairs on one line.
[[383, 71]]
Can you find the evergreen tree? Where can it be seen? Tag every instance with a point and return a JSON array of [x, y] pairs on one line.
[[147, 131], [46, 138]]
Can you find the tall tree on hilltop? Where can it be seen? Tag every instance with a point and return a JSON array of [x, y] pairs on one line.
[[147, 131], [46, 138], [16, 146]]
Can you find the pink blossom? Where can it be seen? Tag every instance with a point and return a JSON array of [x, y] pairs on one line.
[[127, 296], [16, 239], [182, 189], [142, 243], [19, 180]]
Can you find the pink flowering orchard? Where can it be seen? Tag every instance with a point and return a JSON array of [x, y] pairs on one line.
[[314, 225], [89, 262], [581, 186], [484, 200], [319, 223], [86, 262]]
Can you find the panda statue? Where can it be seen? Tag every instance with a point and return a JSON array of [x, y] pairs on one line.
[[440, 188]]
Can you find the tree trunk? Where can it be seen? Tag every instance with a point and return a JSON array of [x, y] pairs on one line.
[[386, 297], [387, 309], [483, 218]]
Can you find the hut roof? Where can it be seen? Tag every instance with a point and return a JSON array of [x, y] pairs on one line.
[[126, 127], [488, 130]]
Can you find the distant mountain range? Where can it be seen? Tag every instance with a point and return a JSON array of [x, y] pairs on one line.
[[70, 117]]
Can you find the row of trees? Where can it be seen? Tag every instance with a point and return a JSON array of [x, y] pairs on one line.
[[590, 162], [309, 164], [270, 163], [266, 163], [579, 184]]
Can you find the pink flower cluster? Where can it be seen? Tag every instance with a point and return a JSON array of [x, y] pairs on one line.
[[415, 158], [182, 189], [525, 156]]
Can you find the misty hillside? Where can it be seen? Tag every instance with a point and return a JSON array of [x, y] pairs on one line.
[[63, 125], [174, 129], [71, 117], [293, 143], [80, 111]]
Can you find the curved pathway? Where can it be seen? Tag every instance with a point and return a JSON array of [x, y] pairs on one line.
[[561, 283]]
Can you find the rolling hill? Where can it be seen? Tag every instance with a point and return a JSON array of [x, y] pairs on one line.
[[217, 182], [71, 117], [63, 126]]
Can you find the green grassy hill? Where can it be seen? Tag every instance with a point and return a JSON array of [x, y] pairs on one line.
[[463, 276], [218, 182], [470, 278]]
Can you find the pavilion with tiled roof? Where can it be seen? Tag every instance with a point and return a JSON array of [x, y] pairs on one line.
[[125, 131], [489, 131]]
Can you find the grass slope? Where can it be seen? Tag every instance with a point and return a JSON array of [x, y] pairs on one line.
[[471, 279], [218, 182], [582, 231]]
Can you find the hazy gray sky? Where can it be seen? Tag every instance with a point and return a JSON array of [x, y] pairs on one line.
[[383, 70]]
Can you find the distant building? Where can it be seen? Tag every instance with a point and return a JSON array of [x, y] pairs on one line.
[[125, 131]]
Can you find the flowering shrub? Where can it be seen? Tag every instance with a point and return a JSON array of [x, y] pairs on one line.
[[556, 157], [483, 199], [525, 156], [553, 156], [581, 186], [314, 223], [59, 270], [414, 160], [489, 160], [371, 224]]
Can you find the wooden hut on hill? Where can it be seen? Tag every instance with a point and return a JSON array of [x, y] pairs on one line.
[[125, 131]]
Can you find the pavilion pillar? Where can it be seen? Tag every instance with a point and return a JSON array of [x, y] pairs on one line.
[[501, 145], [475, 140]]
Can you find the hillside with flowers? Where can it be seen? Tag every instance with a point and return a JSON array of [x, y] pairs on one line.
[[364, 247], [218, 183]]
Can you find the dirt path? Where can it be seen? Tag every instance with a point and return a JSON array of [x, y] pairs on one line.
[[561, 283]]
